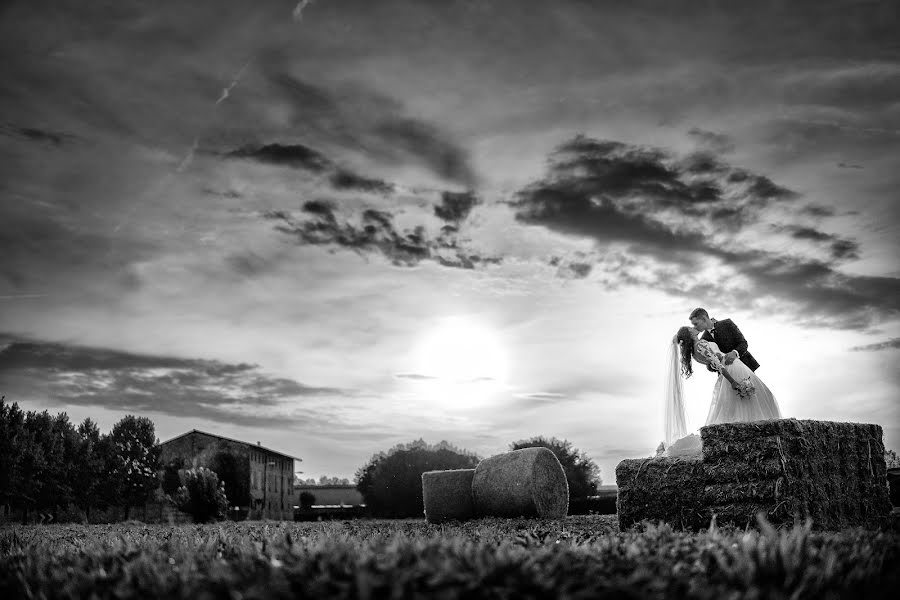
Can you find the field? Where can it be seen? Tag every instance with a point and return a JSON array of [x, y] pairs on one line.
[[580, 557]]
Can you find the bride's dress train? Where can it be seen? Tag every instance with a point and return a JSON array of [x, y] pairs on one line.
[[727, 406]]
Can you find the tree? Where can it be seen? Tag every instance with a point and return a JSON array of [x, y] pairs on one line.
[[202, 495], [391, 483], [88, 470], [12, 430], [891, 459], [582, 473], [137, 449], [234, 475], [307, 499], [324, 480], [171, 480]]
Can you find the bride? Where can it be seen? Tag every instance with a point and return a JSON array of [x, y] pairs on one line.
[[739, 394]]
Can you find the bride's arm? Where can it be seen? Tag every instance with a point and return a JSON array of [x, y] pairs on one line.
[[704, 354]]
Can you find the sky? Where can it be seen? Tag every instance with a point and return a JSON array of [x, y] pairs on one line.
[[335, 226]]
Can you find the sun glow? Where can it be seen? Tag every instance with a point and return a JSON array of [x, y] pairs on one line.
[[462, 362]]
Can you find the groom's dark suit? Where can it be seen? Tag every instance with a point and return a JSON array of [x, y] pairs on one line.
[[728, 337]]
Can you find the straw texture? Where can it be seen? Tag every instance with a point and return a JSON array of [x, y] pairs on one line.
[[447, 495], [788, 469], [529, 482]]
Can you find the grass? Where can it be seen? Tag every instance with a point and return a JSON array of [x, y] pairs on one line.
[[580, 557]]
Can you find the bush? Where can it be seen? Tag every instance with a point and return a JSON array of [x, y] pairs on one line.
[[201, 495], [392, 483], [582, 473]]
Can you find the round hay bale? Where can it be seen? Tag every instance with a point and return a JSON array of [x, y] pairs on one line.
[[447, 495], [528, 482]]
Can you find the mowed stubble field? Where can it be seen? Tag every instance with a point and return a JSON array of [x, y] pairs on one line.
[[580, 557]]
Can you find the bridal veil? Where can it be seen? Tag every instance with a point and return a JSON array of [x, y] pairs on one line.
[[675, 423]]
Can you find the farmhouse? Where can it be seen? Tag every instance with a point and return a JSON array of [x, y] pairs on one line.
[[265, 477]]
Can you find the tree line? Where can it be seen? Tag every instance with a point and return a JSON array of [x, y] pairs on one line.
[[47, 462]]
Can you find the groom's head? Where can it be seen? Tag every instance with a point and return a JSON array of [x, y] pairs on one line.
[[700, 319]]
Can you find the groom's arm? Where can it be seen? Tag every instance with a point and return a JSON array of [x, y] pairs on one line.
[[740, 345]]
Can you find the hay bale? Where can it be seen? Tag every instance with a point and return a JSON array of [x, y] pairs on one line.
[[448, 495], [789, 469], [661, 489], [831, 472], [528, 482]]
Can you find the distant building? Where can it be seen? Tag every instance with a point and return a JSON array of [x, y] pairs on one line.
[[267, 474], [332, 495]]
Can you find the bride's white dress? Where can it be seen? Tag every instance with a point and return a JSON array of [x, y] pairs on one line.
[[727, 406]]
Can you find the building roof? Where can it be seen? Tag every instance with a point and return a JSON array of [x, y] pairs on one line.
[[222, 437]]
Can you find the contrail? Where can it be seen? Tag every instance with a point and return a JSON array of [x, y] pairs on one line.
[[298, 10], [185, 162], [22, 296], [234, 81]]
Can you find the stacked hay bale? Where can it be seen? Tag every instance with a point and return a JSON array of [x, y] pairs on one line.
[[831, 472], [523, 483], [661, 489], [447, 495]]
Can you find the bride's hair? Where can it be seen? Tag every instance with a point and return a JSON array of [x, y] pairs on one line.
[[686, 345]]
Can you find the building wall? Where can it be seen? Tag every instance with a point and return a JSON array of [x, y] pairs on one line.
[[270, 485]]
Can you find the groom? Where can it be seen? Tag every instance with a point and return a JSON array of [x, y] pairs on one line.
[[727, 337]]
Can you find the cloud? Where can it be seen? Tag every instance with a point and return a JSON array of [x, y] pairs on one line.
[[370, 230], [343, 179], [886, 345], [455, 207], [716, 142], [37, 135], [648, 201], [291, 155], [113, 379], [362, 120], [840, 248]]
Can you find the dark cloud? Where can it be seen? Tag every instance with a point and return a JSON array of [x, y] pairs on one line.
[[648, 201], [37, 135], [716, 142], [816, 210], [343, 179], [703, 162], [361, 119], [764, 188], [455, 207], [840, 248], [373, 231], [290, 155], [126, 381], [427, 143], [886, 345]]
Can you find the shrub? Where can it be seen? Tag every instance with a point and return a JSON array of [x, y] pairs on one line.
[[392, 483], [201, 495], [582, 473], [307, 499]]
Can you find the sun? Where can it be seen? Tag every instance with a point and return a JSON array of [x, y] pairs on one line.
[[460, 350]]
